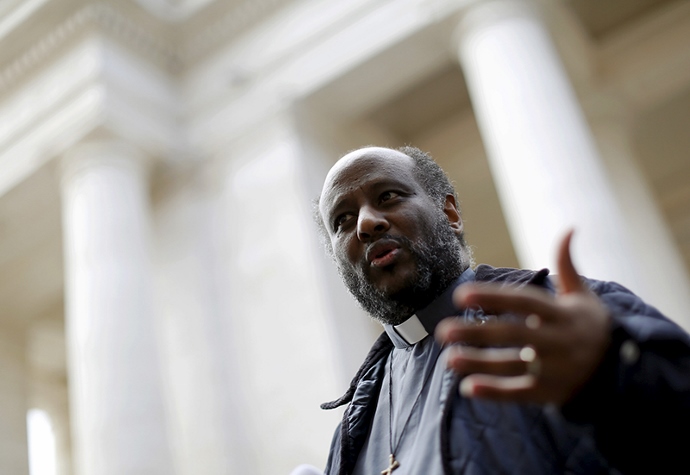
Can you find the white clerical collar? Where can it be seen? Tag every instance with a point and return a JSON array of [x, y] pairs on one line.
[[419, 326], [411, 330]]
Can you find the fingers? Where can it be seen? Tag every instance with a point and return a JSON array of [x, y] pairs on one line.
[[497, 334], [524, 300], [498, 299], [496, 361], [569, 279], [501, 299]]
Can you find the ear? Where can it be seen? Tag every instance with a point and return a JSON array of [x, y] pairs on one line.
[[450, 209]]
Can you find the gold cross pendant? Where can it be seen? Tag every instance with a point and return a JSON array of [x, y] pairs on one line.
[[393, 465]]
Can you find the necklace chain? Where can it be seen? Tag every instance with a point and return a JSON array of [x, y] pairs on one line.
[[393, 463]]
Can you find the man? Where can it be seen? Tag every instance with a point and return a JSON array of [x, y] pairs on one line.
[[523, 380]]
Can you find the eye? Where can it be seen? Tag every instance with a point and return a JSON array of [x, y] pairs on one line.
[[388, 195], [340, 220]]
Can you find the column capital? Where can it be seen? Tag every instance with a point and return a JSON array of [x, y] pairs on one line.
[[482, 13], [103, 153]]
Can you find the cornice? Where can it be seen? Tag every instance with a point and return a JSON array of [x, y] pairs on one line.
[[122, 27], [114, 21], [231, 22], [104, 17], [174, 11], [17, 68], [202, 32]]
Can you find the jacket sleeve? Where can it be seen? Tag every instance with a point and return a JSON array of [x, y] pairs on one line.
[[638, 401]]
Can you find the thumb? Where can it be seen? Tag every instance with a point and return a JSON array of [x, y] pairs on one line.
[[569, 279]]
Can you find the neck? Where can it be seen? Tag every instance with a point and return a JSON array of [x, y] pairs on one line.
[[423, 322]]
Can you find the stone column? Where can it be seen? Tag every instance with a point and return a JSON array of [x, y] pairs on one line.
[[208, 406], [14, 454], [541, 152], [116, 399], [273, 296]]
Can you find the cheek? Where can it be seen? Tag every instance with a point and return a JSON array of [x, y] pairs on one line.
[[414, 223], [345, 251]]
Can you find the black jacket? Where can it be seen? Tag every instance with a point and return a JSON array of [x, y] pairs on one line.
[[633, 416]]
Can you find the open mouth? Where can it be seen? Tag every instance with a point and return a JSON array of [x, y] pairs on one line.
[[383, 254], [386, 258]]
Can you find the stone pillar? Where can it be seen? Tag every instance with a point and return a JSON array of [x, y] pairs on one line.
[[208, 406], [116, 399], [273, 296], [541, 152], [14, 454]]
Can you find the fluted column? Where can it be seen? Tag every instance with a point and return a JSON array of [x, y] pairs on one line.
[[541, 152], [116, 399]]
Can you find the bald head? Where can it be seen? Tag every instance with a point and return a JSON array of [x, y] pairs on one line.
[[366, 154], [425, 170], [347, 173]]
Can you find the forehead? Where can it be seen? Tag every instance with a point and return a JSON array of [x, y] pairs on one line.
[[365, 167]]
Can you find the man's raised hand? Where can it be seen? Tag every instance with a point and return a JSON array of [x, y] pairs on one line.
[[545, 355]]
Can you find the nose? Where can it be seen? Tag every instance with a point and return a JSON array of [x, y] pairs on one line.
[[370, 224]]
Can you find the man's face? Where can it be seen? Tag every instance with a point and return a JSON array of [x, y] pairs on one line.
[[394, 246]]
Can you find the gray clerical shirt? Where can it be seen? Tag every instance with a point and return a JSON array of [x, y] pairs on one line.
[[420, 386]]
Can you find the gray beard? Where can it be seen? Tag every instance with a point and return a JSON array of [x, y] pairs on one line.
[[440, 259]]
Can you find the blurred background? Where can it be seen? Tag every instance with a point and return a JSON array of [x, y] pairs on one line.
[[165, 303]]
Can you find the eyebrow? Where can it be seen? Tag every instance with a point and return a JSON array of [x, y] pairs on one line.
[[383, 184]]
